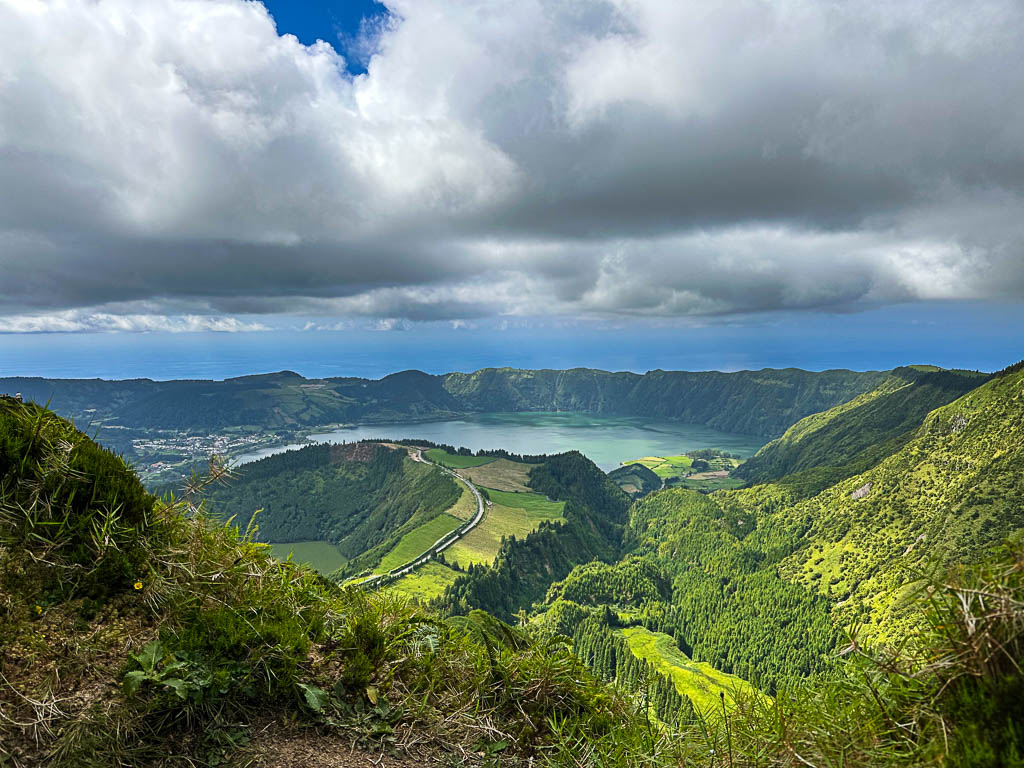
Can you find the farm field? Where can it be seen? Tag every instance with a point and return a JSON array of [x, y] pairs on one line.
[[702, 683], [665, 466], [465, 507], [501, 474], [455, 461], [710, 483], [417, 541], [534, 504], [320, 555], [425, 583], [511, 514]]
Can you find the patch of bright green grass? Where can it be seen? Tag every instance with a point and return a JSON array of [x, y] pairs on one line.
[[426, 582], [465, 507], [319, 555], [665, 466], [481, 544], [535, 505], [454, 461], [712, 484], [417, 541], [702, 683]]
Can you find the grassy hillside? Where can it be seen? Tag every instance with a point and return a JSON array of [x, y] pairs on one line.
[[168, 640], [765, 580], [636, 479], [855, 435], [702, 684], [362, 497]]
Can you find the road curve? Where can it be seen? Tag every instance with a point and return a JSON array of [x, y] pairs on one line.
[[416, 454]]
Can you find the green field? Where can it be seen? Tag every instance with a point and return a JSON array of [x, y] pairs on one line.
[[481, 544], [680, 467], [321, 555], [426, 582], [511, 514], [417, 541], [465, 508], [534, 504], [454, 461], [711, 484], [665, 466], [699, 681], [502, 474]]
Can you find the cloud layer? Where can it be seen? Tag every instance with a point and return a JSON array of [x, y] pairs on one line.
[[507, 158]]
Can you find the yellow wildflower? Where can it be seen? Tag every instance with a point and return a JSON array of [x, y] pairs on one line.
[[138, 585], [39, 609]]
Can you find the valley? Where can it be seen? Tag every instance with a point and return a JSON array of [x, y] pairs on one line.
[[705, 580]]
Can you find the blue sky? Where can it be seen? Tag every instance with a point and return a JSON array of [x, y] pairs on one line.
[[334, 22], [451, 184], [982, 336]]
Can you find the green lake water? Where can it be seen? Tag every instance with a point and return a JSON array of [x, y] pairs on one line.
[[606, 440]]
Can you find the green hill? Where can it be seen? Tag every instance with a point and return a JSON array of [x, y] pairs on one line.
[[635, 479], [765, 579], [853, 436], [362, 497]]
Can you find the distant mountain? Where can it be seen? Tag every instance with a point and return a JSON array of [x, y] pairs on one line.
[[762, 402]]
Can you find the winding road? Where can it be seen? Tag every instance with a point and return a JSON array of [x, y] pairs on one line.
[[416, 454]]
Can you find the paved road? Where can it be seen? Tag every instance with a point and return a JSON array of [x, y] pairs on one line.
[[416, 454]]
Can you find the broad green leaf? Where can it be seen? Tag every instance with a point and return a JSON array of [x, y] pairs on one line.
[[315, 697], [149, 655], [132, 681], [179, 686]]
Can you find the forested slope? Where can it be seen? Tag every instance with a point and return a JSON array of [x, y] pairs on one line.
[[855, 435], [763, 581], [361, 496], [595, 511]]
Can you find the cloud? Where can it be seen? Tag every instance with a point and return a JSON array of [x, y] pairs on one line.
[[514, 159], [78, 321]]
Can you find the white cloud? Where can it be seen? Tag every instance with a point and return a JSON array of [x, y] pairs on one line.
[[77, 321], [508, 158]]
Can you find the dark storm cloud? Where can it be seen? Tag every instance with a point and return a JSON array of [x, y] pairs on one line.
[[638, 157]]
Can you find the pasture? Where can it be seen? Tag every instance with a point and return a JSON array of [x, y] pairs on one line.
[[698, 680], [454, 460], [319, 555], [417, 541], [501, 474]]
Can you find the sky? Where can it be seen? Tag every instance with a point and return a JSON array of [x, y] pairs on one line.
[[441, 183]]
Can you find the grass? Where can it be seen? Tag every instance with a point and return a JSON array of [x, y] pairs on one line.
[[417, 541], [535, 505], [665, 466], [319, 555], [502, 474], [511, 514], [481, 544], [455, 461], [465, 507], [712, 484], [426, 582], [699, 681]]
